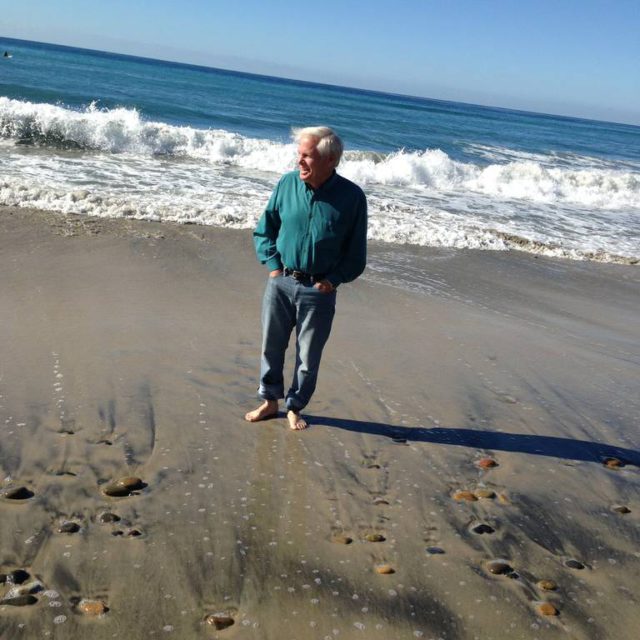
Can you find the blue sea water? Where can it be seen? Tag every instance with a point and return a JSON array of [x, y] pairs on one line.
[[103, 134]]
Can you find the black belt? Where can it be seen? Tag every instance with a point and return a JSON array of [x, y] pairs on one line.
[[301, 276]]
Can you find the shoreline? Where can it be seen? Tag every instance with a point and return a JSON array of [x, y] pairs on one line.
[[131, 349]]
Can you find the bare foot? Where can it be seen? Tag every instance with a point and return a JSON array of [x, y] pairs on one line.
[[268, 409], [296, 421]]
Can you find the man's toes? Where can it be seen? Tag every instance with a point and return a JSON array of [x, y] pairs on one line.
[[297, 422]]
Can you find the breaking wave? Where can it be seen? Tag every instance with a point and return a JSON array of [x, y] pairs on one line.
[[123, 130]]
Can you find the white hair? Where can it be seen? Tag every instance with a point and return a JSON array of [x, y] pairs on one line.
[[329, 144]]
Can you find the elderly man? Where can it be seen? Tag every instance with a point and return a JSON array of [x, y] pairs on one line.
[[312, 237]]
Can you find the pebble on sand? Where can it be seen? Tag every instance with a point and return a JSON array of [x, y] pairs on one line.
[[434, 551], [92, 607], [613, 463], [467, 496], [123, 487], [68, 526], [547, 585], [487, 463], [107, 517], [220, 620], [380, 501], [486, 494], [499, 567], [374, 537], [17, 576], [482, 528], [17, 493], [384, 569], [574, 564], [546, 609], [620, 508], [341, 538]]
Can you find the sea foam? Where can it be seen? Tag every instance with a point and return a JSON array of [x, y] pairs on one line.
[[125, 131]]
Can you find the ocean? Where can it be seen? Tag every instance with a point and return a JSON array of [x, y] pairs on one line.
[[101, 134]]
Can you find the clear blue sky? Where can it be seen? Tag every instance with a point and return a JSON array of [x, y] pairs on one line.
[[573, 57]]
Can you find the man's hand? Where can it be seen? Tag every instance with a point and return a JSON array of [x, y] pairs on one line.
[[275, 273], [324, 286]]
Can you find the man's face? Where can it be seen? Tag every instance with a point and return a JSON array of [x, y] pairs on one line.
[[314, 168]]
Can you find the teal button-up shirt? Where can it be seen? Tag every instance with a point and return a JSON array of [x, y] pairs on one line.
[[316, 231]]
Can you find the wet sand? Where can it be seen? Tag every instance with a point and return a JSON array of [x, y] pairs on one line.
[[467, 404]]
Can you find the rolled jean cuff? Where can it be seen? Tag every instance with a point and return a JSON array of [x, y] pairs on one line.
[[269, 394], [292, 406]]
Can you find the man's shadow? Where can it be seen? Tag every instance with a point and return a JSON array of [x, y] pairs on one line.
[[556, 447]]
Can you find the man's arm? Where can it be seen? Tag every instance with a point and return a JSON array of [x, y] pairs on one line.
[[355, 256], [266, 234]]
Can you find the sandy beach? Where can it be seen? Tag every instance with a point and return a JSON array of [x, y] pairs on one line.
[[473, 407]]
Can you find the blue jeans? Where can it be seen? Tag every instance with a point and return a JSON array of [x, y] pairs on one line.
[[287, 304]]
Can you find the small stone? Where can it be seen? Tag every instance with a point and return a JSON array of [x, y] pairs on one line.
[[434, 551], [547, 585], [467, 496], [499, 567], [134, 533], [384, 569], [32, 587], [485, 494], [620, 508], [69, 527], [220, 620], [374, 537], [482, 528], [123, 487], [17, 493], [20, 601], [546, 609], [17, 576], [373, 465], [340, 538], [487, 463], [380, 501], [399, 440], [107, 517], [574, 564], [613, 463], [92, 607]]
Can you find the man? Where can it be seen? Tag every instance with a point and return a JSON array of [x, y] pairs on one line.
[[312, 237]]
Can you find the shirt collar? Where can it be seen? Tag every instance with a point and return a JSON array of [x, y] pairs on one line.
[[325, 185]]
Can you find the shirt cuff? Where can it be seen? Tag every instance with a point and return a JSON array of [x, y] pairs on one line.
[[274, 263]]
